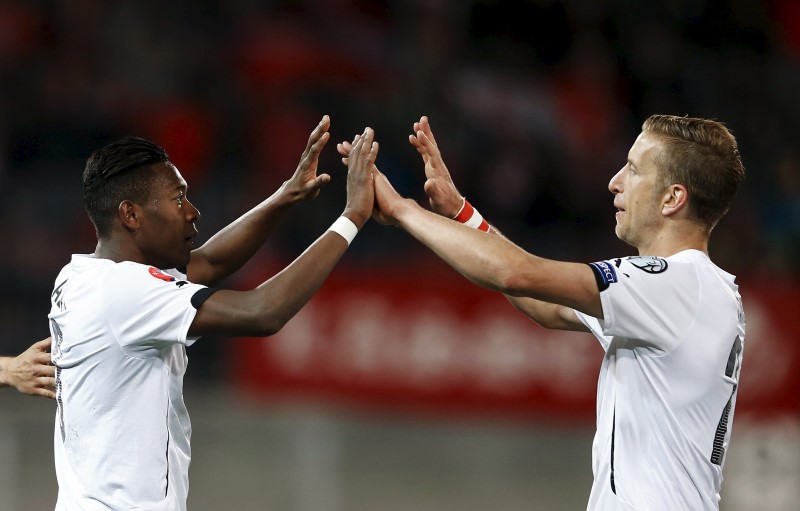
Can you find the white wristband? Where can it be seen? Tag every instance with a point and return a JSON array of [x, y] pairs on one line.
[[345, 228]]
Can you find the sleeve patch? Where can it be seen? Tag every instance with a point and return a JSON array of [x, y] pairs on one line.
[[604, 273], [155, 272], [649, 264]]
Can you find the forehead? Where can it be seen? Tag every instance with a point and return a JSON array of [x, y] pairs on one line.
[[644, 150], [167, 177]]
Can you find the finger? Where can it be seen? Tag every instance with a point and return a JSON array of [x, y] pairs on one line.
[[320, 181], [42, 359], [372, 156], [429, 147], [360, 146], [317, 146], [47, 391], [45, 371], [310, 156], [425, 126], [419, 147], [43, 345], [320, 130]]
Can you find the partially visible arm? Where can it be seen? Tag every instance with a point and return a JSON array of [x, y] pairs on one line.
[[30, 372], [549, 315], [492, 261], [264, 310], [236, 243], [446, 200]]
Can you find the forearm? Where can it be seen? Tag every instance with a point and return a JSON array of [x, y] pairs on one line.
[[264, 310], [481, 257], [549, 315], [493, 262], [236, 243]]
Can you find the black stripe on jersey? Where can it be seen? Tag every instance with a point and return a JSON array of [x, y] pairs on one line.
[[613, 434], [201, 296], [718, 451]]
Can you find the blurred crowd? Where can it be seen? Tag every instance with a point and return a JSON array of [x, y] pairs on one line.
[[534, 104]]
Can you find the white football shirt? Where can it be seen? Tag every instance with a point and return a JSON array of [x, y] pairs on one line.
[[122, 431], [673, 333]]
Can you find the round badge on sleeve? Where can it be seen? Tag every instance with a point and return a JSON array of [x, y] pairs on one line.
[[649, 264]]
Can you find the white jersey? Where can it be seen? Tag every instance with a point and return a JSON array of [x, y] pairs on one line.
[[122, 431], [673, 333]]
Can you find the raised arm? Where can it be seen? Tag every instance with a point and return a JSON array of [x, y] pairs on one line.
[[236, 243], [30, 372], [538, 300], [265, 309]]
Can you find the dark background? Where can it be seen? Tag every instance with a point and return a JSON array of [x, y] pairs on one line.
[[534, 104]]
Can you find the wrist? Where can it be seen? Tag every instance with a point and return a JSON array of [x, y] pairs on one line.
[[470, 217], [354, 216], [345, 228]]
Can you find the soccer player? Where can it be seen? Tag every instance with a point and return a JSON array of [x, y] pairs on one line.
[[122, 317], [31, 371], [670, 321]]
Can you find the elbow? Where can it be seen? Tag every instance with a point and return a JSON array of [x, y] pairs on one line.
[[267, 325], [513, 284]]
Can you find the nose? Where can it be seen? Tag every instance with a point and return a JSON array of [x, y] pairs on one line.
[[615, 185], [192, 213]]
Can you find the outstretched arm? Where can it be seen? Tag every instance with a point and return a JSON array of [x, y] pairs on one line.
[[265, 309], [235, 244], [446, 201], [492, 261], [31, 371]]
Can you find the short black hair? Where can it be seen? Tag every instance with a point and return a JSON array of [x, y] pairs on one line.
[[118, 172]]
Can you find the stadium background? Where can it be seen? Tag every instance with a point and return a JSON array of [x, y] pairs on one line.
[[400, 386]]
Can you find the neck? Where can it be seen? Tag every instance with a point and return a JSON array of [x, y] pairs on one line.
[[115, 251], [667, 243]]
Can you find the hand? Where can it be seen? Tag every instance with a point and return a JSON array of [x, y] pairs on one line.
[[31, 372], [360, 175], [305, 184], [344, 149], [440, 189], [387, 201]]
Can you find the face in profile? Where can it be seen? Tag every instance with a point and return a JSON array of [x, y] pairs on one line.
[[634, 188], [167, 232]]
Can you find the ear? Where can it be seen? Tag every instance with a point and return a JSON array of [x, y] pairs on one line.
[[130, 214], [676, 199]]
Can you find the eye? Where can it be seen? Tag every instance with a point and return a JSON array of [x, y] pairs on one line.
[[180, 198]]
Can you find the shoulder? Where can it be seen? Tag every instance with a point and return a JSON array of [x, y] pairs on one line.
[[680, 265]]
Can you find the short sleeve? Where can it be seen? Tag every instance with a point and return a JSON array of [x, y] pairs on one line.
[[148, 309], [650, 299], [595, 326]]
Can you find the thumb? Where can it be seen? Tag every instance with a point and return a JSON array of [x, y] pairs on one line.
[[320, 181]]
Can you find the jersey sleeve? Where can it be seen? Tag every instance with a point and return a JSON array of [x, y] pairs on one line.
[[148, 309], [649, 299]]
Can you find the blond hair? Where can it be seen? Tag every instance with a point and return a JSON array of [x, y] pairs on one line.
[[701, 155]]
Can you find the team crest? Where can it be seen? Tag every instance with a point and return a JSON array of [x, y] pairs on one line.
[[649, 264]]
